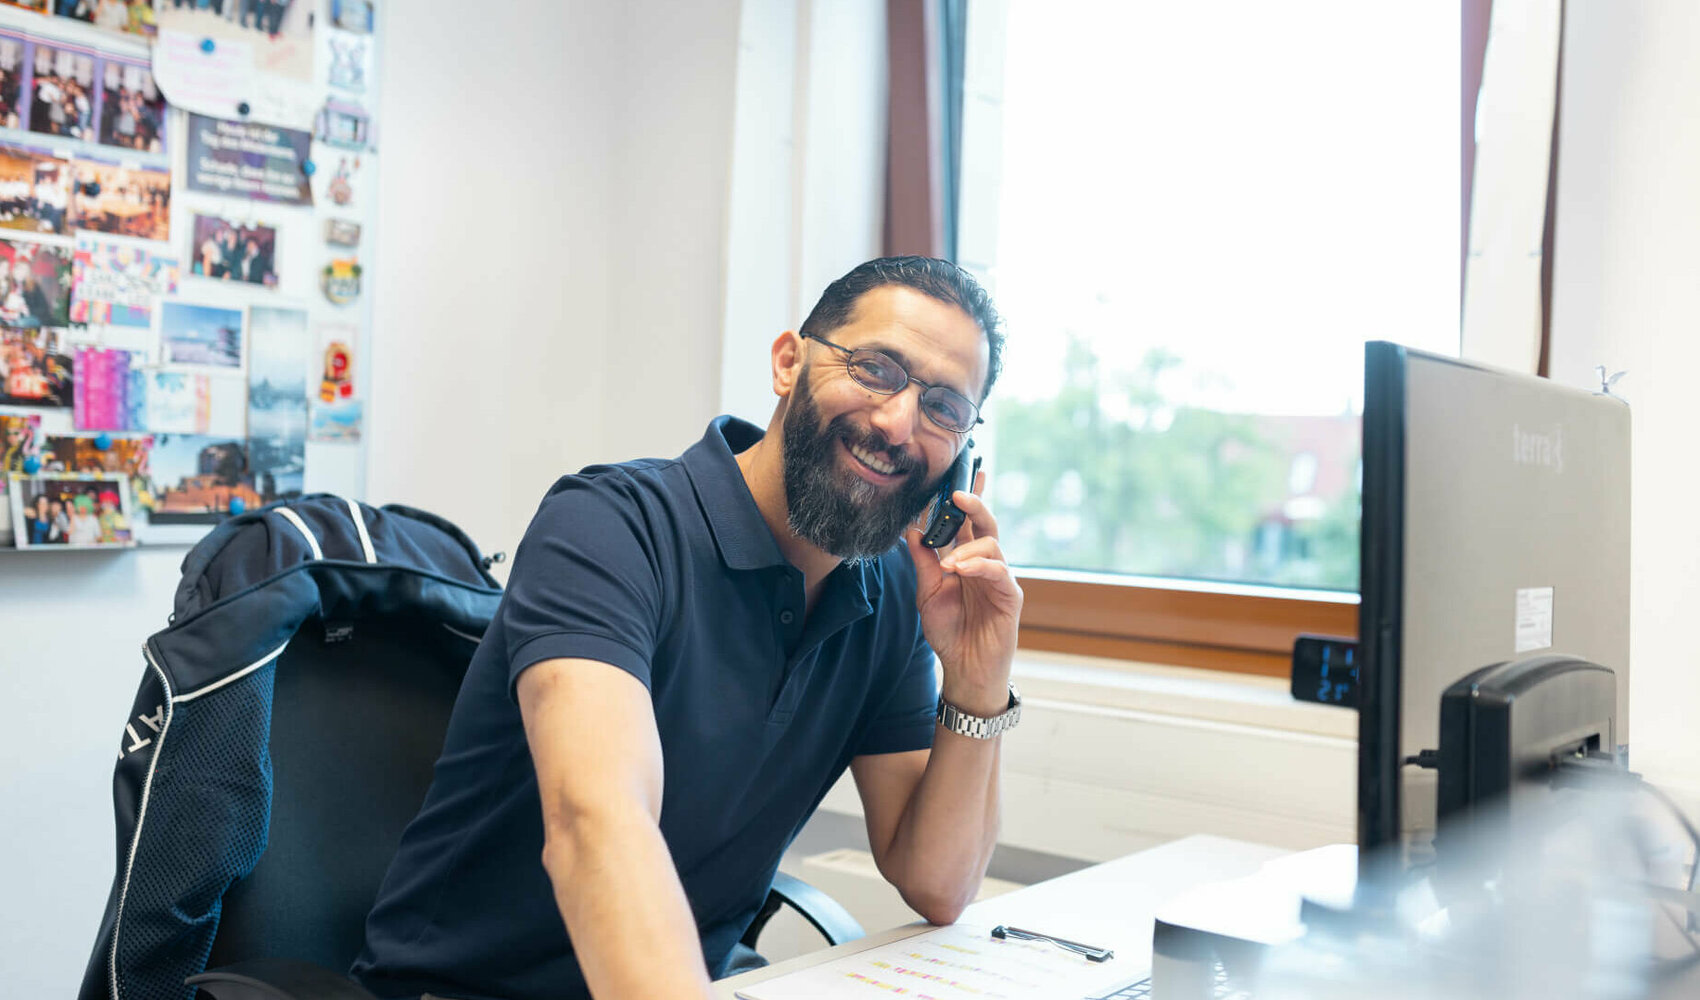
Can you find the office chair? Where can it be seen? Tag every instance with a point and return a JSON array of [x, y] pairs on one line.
[[259, 814]]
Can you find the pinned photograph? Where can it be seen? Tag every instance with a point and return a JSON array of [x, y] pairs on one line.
[[277, 401], [342, 233], [34, 370], [277, 35], [132, 110], [20, 438], [195, 477], [71, 512], [35, 190], [82, 454], [117, 284], [131, 17], [35, 284], [352, 15], [12, 47], [124, 200], [226, 251], [62, 93], [201, 336]]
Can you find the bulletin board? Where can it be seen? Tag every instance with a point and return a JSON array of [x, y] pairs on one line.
[[187, 195]]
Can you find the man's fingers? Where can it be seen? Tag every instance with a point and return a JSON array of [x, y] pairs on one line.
[[978, 548], [979, 515]]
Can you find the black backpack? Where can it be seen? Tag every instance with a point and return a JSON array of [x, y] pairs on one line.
[[283, 737]]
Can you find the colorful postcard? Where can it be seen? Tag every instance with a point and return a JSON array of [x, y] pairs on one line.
[[35, 190], [196, 477], [277, 400], [71, 512], [201, 336], [62, 90], [336, 411], [345, 124], [35, 284], [34, 370], [132, 109], [105, 398], [117, 284], [39, 6], [348, 60], [339, 184], [248, 160], [124, 200], [20, 438], [227, 251]]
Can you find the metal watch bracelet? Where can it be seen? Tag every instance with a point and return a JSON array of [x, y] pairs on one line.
[[975, 727]]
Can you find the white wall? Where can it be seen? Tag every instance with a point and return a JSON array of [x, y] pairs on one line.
[[1626, 276], [808, 174], [551, 232]]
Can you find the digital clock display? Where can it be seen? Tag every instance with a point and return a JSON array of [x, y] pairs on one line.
[[1325, 670]]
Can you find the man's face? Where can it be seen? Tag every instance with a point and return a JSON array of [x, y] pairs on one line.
[[860, 466]]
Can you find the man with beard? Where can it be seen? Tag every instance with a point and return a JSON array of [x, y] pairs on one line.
[[691, 652]]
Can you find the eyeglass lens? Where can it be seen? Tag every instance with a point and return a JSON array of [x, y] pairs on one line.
[[946, 407]]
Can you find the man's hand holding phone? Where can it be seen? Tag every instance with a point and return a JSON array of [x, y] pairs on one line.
[[969, 601]]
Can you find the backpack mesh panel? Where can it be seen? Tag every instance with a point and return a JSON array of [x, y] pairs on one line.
[[205, 827]]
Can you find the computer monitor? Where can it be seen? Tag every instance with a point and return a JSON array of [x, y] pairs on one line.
[[1495, 527]]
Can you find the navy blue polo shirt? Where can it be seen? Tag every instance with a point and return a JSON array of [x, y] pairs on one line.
[[664, 569]]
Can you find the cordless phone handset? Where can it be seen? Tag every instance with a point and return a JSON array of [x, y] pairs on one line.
[[947, 517]]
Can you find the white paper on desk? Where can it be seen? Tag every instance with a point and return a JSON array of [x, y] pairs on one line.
[[948, 963]]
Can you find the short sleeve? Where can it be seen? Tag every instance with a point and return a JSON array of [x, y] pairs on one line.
[[906, 720], [584, 583]]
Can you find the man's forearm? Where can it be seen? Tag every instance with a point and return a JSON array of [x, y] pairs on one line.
[[624, 908], [944, 841]]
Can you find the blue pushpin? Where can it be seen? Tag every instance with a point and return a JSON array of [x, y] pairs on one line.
[[103, 442], [242, 109], [32, 465], [208, 46], [308, 166], [238, 505]]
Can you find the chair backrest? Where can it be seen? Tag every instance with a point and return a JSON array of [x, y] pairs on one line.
[[356, 726], [283, 737]]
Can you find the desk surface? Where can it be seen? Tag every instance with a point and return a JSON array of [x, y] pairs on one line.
[[1111, 905]]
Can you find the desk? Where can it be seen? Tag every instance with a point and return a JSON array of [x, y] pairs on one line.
[[1111, 905]]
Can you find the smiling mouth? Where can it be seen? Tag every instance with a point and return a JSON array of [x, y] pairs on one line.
[[871, 465]]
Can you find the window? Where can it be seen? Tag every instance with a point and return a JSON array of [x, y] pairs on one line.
[[1192, 216]]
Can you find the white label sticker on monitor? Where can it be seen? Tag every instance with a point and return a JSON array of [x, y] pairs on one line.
[[1534, 618]]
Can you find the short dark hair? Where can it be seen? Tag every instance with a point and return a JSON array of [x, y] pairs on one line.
[[931, 276]]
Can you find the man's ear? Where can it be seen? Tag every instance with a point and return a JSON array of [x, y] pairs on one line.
[[787, 363]]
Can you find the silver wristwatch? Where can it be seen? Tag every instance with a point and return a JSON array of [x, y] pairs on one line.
[[975, 727]]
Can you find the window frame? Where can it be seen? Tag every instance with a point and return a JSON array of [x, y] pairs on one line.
[[1188, 625]]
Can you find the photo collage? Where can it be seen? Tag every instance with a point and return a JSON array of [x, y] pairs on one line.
[[180, 293]]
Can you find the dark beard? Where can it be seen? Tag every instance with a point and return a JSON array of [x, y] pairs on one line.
[[845, 515]]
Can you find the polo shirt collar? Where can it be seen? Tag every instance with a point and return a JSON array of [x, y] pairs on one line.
[[739, 530]]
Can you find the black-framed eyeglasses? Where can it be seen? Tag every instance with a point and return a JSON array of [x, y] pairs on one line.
[[877, 372]]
